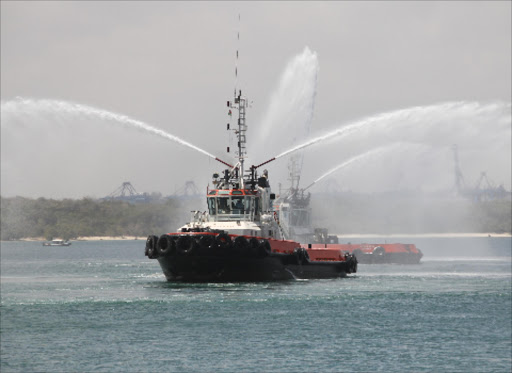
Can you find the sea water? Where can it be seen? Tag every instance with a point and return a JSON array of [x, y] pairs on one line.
[[102, 306]]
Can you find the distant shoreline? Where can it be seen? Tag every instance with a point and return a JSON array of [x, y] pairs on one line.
[[340, 236], [86, 238], [426, 235]]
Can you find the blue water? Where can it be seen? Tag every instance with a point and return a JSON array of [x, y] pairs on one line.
[[102, 306]]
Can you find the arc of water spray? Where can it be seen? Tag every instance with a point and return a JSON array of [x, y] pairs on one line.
[[22, 105], [411, 114], [370, 153]]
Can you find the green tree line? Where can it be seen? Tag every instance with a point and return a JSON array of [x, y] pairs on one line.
[[68, 219]]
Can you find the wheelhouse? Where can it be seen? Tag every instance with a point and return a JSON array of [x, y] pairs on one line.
[[233, 204], [298, 217]]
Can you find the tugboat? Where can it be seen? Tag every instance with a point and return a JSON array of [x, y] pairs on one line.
[[294, 213], [240, 238], [384, 253]]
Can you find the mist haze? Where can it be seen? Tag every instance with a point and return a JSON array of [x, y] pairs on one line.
[[429, 75]]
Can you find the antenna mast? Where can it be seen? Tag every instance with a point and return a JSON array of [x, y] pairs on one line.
[[236, 59], [239, 103]]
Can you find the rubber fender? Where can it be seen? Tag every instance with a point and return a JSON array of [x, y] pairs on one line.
[[264, 248], [186, 245], [166, 245], [241, 243], [254, 242], [149, 251], [305, 256], [241, 246], [223, 241], [354, 264], [149, 243], [206, 242], [298, 255], [379, 250], [302, 256], [253, 246]]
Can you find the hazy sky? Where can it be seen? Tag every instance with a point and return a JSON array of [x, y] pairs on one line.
[[171, 65]]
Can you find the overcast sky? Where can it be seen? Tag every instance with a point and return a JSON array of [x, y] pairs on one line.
[[171, 65]]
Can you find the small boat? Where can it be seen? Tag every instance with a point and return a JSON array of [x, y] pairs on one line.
[[57, 243], [240, 237]]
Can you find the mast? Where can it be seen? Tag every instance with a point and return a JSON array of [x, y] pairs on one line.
[[240, 104]]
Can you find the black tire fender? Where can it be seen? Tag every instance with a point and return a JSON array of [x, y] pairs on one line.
[[206, 242], [379, 250], [149, 250], [264, 248], [186, 245], [166, 245], [241, 243], [223, 241], [253, 246], [298, 255], [305, 256]]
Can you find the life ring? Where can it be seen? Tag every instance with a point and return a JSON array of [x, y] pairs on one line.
[[186, 245], [165, 245], [149, 251]]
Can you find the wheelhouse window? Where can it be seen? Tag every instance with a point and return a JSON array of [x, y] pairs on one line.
[[224, 205], [299, 218], [232, 205], [212, 205], [239, 205]]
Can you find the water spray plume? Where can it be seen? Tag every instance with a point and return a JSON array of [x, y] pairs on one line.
[[30, 107], [374, 152], [293, 100], [422, 118], [289, 115]]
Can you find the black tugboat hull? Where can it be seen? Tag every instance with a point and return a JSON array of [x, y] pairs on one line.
[[271, 268], [219, 257]]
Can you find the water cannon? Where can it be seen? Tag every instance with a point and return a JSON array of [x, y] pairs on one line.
[[264, 163], [221, 161]]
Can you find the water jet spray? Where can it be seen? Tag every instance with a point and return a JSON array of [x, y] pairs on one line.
[[422, 118], [24, 106], [370, 153]]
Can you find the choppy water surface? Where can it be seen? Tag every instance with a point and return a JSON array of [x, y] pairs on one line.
[[103, 306]]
